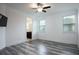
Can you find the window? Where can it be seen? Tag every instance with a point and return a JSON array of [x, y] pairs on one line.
[[69, 23], [42, 25]]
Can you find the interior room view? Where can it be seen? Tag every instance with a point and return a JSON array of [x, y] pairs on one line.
[[39, 28]]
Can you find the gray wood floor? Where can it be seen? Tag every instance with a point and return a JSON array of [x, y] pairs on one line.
[[40, 47]]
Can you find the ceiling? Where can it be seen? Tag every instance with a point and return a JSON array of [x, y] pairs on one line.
[[55, 7]]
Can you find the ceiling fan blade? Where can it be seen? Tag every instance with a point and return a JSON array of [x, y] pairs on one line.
[[46, 7], [44, 11]]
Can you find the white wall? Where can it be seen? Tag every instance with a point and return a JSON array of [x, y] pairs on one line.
[[2, 29], [54, 28], [15, 27], [2, 37]]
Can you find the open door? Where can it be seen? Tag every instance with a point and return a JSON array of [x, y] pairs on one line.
[[29, 29]]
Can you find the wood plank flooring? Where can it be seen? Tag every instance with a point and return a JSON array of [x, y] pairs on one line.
[[41, 47]]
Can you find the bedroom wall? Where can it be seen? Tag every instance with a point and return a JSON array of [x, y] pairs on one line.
[[15, 27], [2, 29], [54, 28]]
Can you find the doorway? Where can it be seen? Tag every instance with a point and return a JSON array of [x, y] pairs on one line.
[[29, 29]]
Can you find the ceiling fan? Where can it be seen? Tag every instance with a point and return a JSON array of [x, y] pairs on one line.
[[40, 7]]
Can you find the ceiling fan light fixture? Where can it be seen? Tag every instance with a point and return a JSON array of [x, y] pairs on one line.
[[39, 9]]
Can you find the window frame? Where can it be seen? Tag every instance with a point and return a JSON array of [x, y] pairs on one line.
[[73, 24], [43, 31]]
